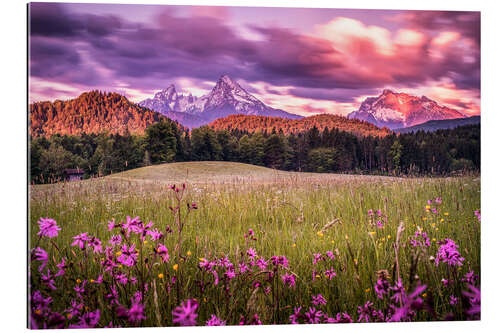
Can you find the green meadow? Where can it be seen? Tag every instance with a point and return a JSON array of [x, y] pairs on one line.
[[292, 214]]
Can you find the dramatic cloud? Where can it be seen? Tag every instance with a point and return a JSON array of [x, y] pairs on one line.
[[53, 21], [466, 23], [376, 57], [51, 58], [325, 68]]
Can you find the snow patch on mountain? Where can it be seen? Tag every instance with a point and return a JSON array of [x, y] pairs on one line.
[[386, 114]]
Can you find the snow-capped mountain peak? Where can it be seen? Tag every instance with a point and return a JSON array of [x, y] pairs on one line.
[[229, 92], [162, 100], [226, 81], [398, 110], [226, 98], [168, 93]]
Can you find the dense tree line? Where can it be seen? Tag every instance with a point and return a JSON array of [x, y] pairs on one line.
[[438, 153]]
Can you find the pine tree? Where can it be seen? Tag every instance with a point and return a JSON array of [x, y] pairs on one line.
[[161, 142], [274, 152], [395, 154], [313, 138], [147, 159]]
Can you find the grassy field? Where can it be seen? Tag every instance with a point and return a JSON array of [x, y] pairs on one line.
[[295, 215]]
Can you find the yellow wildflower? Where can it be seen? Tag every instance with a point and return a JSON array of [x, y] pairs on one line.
[[294, 245], [145, 242], [188, 253], [320, 234], [91, 280], [424, 295], [367, 290], [175, 267], [388, 236], [78, 281], [442, 220], [372, 233], [119, 253], [161, 276], [446, 214]]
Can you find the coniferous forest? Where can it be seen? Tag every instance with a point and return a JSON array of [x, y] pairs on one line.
[[443, 152]]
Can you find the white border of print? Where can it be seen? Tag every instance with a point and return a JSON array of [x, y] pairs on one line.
[[14, 171]]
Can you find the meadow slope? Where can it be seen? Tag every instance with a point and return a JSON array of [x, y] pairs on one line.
[[210, 172], [291, 214]]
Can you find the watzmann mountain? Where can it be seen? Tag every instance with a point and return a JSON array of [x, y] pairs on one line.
[[226, 98]]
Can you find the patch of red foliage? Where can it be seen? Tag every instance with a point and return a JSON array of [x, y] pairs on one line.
[[263, 123]]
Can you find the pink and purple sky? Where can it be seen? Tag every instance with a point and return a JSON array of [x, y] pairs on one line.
[[304, 61]]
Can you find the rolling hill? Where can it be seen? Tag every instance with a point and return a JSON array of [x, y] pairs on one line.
[[219, 172]]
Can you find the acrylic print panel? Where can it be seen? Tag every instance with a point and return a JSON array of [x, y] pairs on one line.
[[195, 166]]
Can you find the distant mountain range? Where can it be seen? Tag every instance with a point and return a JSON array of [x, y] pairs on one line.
[[400, 110], [263, 123], [91, 112], [229, 106], [434, 125], [226, 98], [96, 112]]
